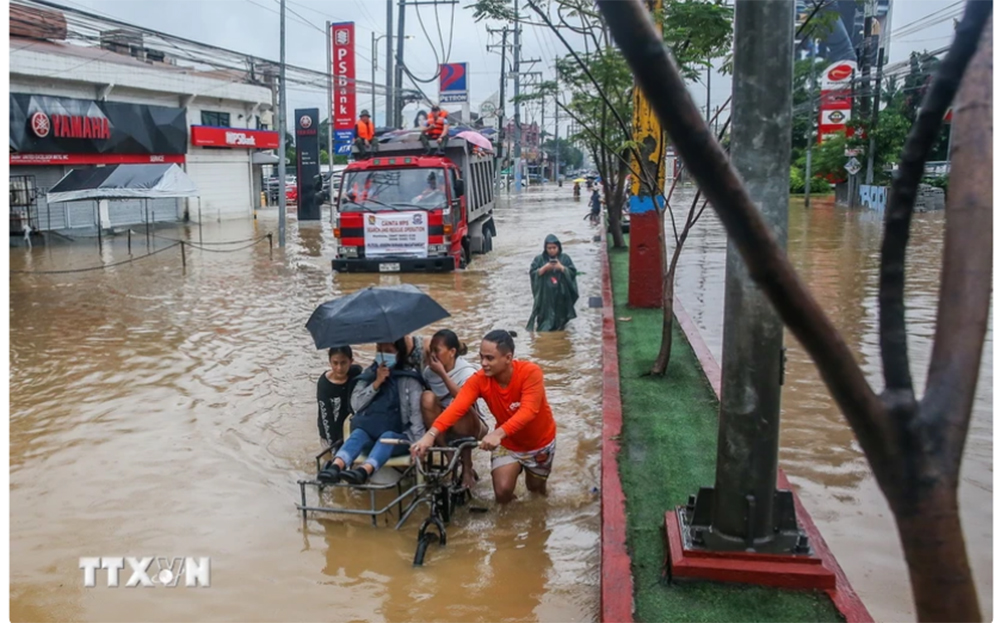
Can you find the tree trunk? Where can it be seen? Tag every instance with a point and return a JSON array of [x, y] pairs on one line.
[[940, 577], [615, 204]]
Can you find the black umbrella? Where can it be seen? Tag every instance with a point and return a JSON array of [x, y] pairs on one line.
[[373, 315]]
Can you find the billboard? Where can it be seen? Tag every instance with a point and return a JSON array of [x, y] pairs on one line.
[[344, 97], [841, 36], [835, 97], [307, 161], [453, 83]]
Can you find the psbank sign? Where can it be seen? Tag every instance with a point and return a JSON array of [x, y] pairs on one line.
[[212, 136]]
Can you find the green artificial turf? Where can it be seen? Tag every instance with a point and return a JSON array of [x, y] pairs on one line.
[[668, 451]]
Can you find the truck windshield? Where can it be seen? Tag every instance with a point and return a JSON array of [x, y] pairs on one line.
[[394, 189]]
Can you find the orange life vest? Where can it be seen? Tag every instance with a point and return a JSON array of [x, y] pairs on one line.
[[365, 129], [436, 123]]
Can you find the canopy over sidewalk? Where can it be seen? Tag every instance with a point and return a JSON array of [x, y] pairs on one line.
[[123, 181]]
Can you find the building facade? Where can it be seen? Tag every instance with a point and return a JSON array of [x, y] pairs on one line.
[[76, 106]]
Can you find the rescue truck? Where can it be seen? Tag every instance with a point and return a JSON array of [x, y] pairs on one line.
[[401, 210]]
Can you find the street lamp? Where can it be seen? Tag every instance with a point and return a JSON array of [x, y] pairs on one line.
[[375, 41]]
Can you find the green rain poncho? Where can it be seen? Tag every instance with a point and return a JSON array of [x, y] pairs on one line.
[[555, 292]]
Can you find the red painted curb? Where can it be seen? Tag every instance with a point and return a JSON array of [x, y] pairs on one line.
[[616, 565], [843, 596]]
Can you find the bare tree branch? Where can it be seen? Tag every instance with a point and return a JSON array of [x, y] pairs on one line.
[[963, 306], [767, 264], [892, 309]]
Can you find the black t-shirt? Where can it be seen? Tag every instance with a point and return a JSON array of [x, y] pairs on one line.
[[334, 405]]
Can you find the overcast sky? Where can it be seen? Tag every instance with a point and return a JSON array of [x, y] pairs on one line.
[[251, 26]]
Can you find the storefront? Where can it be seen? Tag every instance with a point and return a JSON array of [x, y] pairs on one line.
[[50, 135]]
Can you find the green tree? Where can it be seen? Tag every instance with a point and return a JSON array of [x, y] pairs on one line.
[[569, 154]]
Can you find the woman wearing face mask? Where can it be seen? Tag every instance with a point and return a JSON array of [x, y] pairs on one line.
[[446, 373], [386, 403]]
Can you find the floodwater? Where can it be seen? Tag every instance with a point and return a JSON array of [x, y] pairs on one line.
[[836, 252], [156, 412]]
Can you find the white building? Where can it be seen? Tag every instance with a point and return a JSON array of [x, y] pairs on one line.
[[75, 106]]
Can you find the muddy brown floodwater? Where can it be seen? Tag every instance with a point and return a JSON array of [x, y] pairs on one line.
[[836, 251], [156, 413]]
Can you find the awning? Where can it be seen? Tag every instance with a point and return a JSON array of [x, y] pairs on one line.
[[263, 157], [123, 181]]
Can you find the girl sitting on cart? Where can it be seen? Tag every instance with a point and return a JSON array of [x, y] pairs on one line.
[[386, 403]]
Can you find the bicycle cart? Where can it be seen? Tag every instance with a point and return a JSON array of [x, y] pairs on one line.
[[434, 481]]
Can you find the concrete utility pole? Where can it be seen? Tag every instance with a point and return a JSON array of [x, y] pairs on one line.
[[397, 111], [746, 510], [645, 251], [389, 92], [870, 172], [282, 130], [556, 103], [517, 103], [813, 43], [329, 98]]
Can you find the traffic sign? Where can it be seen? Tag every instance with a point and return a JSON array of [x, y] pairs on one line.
[[853, 166], [488, 109]]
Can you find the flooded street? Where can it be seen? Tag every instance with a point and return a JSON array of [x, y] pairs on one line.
[[158, 413], [836, 251]]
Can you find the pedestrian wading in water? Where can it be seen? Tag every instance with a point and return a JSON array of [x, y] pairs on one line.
[[553, 284], [525, 435]]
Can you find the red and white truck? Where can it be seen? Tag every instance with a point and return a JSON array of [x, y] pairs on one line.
[[402, 211]]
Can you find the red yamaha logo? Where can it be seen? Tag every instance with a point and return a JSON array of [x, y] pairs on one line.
[[305, 121], [40, 124]]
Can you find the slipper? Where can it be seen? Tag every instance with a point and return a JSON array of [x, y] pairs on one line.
[[356, 476], [330, 474]]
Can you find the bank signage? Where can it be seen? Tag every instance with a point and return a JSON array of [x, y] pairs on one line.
[[212, 136], [344, 88], [53, 130]]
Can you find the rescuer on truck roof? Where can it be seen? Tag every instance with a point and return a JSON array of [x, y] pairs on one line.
[[437, 129], [365, 136]]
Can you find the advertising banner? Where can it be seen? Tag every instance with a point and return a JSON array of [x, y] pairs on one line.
[[396, 234], [453, 83], [40, 124], [211, 136], [344, 92], [835, 98], [307, 161]]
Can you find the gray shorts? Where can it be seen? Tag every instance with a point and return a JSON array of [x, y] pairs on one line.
[[538, 462]]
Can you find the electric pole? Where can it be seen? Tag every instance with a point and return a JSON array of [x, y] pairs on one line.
[[282, 129], [389, 103], [503, 87], [397, 111], [812, 115], [556, 102], [517, 102]]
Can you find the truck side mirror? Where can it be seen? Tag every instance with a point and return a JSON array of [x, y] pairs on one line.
[[459, 187]]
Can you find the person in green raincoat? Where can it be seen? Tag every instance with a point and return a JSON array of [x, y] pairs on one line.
[[553, 284]]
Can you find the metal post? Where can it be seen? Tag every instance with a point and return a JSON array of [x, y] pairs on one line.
[[397, 112], [282, 130], [184, 261], [389, 93], [130, 241], [145, 205], [153, 234], [517, 103], [708, 91], [743, 510], [200, 237], [870, 173], [812, 115], [100, 242]]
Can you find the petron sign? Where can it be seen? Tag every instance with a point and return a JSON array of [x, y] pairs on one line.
[[62, 130], [213, 136], [453, 83]]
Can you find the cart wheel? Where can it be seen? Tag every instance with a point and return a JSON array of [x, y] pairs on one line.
[[422, 543]]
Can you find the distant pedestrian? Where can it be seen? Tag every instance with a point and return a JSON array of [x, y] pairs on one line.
[[553, 285]]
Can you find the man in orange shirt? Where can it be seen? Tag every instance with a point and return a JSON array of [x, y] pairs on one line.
[[525, 436], [364, 130]]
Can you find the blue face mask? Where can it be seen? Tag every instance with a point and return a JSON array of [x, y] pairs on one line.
[[386, 359]]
